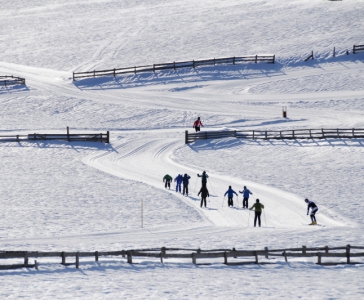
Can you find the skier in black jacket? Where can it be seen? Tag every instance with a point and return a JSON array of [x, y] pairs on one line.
[[314, 210], [185, 181], [204, 193]]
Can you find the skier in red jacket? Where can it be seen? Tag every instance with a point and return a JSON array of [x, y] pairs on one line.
[[197, 124]]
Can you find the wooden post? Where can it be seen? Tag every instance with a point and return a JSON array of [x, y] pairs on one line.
[[253, 134], [256, 58], [108, 137], [77, 260], [326, 249], [68, 133], [234, 60], [36, 265], [266, 135], [235, 133], [310, 134], [348, 254], [153, 68], [135, 70], [266, 252], [114, 73], [353, 132], [225, 258], [186, 137], [174, 65], [312, 54], [26, 259], [73, 76], [304, 249], [194, 258], [319, 258], [96, 255], [63, 255], [333, 53], [285, 256], [293, 134], [337, 131], [323, 134], [256, 257], [280, 135], [129, 257]]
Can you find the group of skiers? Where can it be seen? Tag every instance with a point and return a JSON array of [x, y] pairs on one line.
[[258, 207]]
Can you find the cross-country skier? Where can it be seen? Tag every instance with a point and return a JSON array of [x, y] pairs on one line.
[[204, 178], [258, 211], [204, 193], [167, 179], [230, 192], [178, 181], [245, 193], [314, 209], [185, 184], [197, 124]]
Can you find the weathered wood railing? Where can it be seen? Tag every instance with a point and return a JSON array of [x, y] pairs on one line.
[[90, 137], [322, 133], [11, 80], [175, 65], [358, 48], [193, 254]]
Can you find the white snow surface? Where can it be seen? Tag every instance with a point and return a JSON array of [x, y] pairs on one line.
[[85, 196]]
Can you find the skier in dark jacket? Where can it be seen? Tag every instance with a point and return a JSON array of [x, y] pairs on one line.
[[204, 193], [185, 182], [167, 179], [245, 193], [258, 211], [178, 181], [204, 177], [230, 192], [197, 124], [314, 210]]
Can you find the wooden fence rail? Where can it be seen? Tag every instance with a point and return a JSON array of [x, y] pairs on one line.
[[277, 134], [358, 48], [175, 65], [196, 254], [90, 137], [11, 80]]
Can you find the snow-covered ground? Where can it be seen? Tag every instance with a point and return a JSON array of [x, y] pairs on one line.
[[58, 196]]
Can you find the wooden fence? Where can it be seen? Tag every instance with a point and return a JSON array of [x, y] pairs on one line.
[[90, 137], [348, 252], [175, 65], [11, 80], [277, 134], [358, 48]]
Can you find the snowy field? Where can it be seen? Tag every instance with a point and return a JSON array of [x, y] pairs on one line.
[[84, 196]]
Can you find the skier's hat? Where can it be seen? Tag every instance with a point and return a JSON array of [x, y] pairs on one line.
[[306, 200], [257, 200]]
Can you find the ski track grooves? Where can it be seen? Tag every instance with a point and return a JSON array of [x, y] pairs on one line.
[[147, 160]]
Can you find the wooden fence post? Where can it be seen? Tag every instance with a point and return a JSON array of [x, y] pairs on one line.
[[68, 134], [135, 70], [225, 258], [26, 259], [36, 265], [94, 73], [253, 134], [323, 134], [256, 257], [319, 258], [129, 257], [108, 137], [266, 135], [186, 137], [153, 68], [353, 132], [326, 249], [114, 72], [73, 76], [256, 58], [274, 58], [304, 249], [285, 256], [348, 254], [266, 252], [194, 258], [63, 255], [96, 255], [77, 260], [293, 134], [163, 252], [174, 65]]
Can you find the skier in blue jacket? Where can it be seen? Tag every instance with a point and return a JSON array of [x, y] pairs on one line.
[[245, 193], [230, 192], [178, 181], [185, 181]]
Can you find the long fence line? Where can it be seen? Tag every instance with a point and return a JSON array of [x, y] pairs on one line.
[[194, 255], [12, 81], [175, 65], [90, 137], [358, 48], [322, 133]]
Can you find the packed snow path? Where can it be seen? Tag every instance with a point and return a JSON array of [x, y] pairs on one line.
[[147, 159]]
